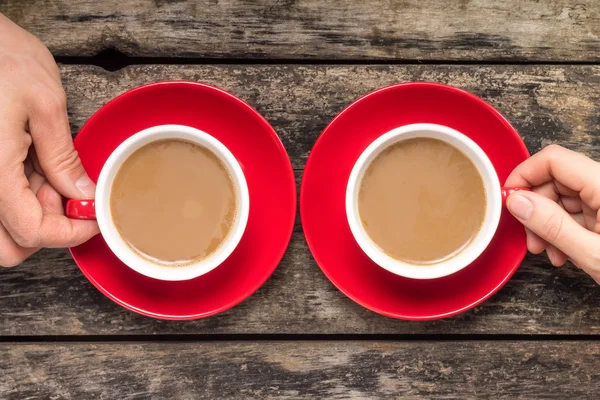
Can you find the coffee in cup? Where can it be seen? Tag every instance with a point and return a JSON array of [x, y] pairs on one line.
[[172, 202], [423, 201]]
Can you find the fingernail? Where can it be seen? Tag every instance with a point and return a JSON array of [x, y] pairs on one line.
[[86, 186], [520, 206]]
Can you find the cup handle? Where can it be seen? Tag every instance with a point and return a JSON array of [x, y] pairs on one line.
[[507, 191], [81, 209]]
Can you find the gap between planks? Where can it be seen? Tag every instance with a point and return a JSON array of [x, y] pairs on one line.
[[113, 60], [175, 338]]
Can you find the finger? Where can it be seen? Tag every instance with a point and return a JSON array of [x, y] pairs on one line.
[[58, 231], [571, 203], [62, 231], [50, 200], [564, 190], [49, 128], [553, 224], [579, 218], [592, 218], [550, 191], [547, 190], [20, 211], [584, 220], [556, 257], [535, 244], [573, 170], [12, 254]]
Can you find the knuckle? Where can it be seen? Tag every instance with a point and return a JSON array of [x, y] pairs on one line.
[[554, 227], [65, 162], [555, 152], [62, 97], [552, 148], [52, 104]]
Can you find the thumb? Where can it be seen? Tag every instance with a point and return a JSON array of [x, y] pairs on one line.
[[49, 128], [552, 223]]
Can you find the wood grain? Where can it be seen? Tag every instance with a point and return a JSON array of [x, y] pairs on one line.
[[48, 295], [299, 370], [547, 104], [557, 30]]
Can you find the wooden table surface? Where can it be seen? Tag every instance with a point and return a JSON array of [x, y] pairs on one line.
[[299, 62]]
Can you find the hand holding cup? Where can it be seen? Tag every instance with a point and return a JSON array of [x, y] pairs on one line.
[[37, 157], [560, 213]]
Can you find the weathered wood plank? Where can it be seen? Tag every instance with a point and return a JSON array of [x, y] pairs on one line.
[[49, 296], [547, 104], [553, 104], [326, 370], [556, 30]]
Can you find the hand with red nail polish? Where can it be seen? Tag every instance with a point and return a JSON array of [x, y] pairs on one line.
[[37, 158], [560, 213]]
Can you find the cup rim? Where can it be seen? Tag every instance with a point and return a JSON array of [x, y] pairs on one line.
[[113, 238], [492, 190]]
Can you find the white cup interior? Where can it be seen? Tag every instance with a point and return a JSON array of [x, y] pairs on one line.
[[164, 271], [492, 192]]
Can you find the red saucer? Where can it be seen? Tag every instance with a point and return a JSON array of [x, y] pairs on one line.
[[270, 181], [323, 213]]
